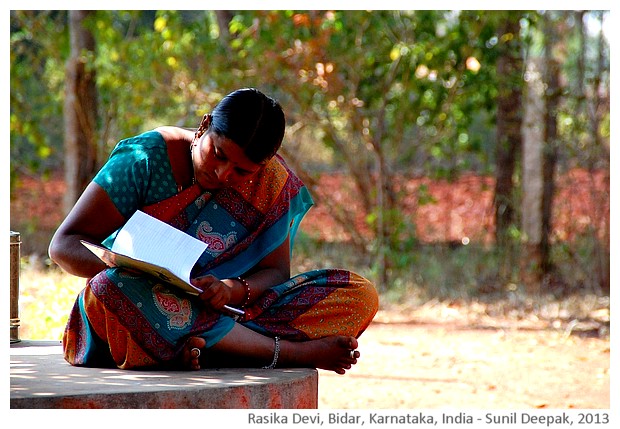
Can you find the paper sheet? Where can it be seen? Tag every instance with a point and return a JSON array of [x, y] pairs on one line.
[[148, 239]]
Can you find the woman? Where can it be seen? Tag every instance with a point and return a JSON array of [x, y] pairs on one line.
[[224, 184]]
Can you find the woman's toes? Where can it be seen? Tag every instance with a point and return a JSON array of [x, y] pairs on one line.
[[192, 351], [195, 353], [353, 343]]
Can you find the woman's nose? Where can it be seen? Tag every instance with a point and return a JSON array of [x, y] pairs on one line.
[[225, 173]]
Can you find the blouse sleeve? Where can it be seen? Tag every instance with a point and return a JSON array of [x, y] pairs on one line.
[[138, 173]]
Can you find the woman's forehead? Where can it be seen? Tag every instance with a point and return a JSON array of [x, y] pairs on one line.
[[233, 152]]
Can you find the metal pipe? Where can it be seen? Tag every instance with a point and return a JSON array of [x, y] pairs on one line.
[[15, 262]]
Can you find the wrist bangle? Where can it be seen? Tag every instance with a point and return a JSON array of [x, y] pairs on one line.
[[246, 285]]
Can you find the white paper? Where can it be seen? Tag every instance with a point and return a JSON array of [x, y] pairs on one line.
[[148, 239]]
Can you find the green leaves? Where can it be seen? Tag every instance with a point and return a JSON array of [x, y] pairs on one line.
[[399, 91]]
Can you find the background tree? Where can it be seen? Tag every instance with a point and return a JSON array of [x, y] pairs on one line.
[[508, 129], [554, 55], [80, 110], [39, 48], [377, 98], [584, 117], [533, 131]]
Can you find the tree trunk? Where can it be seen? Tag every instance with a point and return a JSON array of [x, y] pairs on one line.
[[223, 18], [532, 202], [596, 107], [80, 111], [550, 159], [508, 129]]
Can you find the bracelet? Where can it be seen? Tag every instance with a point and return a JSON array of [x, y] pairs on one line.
[[246, 285], [276, 354]]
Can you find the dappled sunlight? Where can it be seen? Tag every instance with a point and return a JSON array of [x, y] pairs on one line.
[[39, 370]]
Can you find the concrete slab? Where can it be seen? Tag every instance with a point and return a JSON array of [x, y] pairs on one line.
[[41, 378]]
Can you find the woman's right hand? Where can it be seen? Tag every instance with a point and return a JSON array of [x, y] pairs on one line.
[[215, 293]]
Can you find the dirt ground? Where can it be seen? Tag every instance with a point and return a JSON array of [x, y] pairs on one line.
[[450, 362], [443, 358]]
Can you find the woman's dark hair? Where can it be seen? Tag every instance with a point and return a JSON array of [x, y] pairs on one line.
[[252, 120]]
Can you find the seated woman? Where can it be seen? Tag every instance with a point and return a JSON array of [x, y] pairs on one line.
[[223, 184]]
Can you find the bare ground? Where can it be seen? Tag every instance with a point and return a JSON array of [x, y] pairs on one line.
[[439, 357], [443, 361]]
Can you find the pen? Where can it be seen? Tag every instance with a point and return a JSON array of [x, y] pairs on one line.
[[234, 310]]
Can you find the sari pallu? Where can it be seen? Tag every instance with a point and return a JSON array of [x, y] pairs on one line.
[[128, 320]]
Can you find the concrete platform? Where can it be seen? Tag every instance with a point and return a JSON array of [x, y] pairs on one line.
[[40, 378]]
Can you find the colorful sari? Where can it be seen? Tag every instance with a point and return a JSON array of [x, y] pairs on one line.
[[128, 320]]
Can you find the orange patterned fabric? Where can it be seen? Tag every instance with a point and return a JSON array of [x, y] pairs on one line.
[[80, 349], [346, 311], [315, 304], [265, 188]]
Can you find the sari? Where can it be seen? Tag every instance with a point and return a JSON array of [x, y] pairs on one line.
[[128, 320]]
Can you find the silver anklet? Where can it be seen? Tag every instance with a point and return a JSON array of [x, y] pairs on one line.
[[276, 354]]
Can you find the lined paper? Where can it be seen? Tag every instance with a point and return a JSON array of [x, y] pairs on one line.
[[148, 239]]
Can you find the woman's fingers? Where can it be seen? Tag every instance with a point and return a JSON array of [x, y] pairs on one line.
[[215, 293], [204, 282]]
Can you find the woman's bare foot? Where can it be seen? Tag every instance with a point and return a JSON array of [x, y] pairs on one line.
[[244, 348], [191, 353], [329, 353]]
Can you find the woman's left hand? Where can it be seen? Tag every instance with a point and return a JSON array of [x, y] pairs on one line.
[[215, 293]]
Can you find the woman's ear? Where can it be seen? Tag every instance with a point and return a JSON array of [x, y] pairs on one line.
[[205, 123]]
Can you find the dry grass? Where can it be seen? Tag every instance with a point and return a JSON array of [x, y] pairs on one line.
[[46, 298]]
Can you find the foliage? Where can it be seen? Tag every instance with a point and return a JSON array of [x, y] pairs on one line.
[[371, 93], [412, 76], [38, 49]]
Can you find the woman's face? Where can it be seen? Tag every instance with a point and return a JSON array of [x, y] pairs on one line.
[[219, 162]]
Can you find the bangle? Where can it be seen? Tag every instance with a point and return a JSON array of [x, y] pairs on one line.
[[276, 354], [246, 285]]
